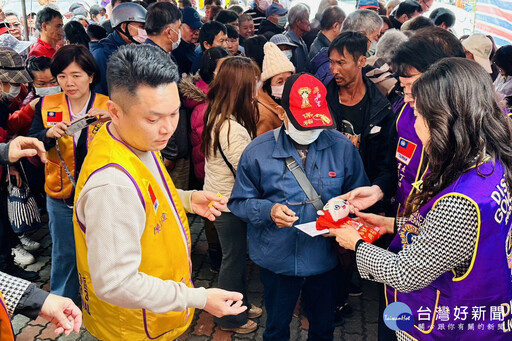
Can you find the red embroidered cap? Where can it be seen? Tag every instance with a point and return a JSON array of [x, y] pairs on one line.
[[304, 100]]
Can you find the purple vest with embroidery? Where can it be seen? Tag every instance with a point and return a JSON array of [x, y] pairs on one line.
[[409, 155], [475, 306]]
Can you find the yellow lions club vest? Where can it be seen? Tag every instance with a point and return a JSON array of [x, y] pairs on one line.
[[6, 332], [55, 109], [165, 246]]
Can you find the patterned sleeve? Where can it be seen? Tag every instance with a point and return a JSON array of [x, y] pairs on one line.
[[12, 289], [446, 241]]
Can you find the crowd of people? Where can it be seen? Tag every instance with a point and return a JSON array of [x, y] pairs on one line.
[[255, 117]]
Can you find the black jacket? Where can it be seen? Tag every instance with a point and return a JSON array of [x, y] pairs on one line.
[[376, 138], [269, 29]]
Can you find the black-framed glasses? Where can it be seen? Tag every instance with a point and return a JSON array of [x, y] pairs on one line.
[[403, 94]]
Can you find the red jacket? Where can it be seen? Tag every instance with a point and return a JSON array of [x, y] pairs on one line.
[[19, 122]]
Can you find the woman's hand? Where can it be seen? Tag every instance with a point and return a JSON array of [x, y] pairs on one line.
[[207, 204], [103, 115], [58, 130], [346, 236], [387, 224], [363, 197], [14, 172]]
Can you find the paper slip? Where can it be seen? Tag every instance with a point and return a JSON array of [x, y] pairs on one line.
[[310, 229]]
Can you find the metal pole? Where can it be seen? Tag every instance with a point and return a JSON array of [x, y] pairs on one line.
[[24, 14]]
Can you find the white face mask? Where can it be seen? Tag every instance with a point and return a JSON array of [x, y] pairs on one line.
[[281, 21], [50, 90], [176, 43], [277, 90], [288, 54], [302, 137], [264, 4], [372, 49], [14, 91]]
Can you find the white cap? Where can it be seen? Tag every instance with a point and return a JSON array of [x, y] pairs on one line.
[[481, 47]]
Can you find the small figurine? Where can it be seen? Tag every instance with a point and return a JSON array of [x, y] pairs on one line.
[[335, 215]]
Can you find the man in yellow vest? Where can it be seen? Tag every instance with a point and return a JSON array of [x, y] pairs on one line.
[[131, 231], [18, 295]]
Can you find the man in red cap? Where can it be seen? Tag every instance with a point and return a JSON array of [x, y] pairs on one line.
[[283, 177]]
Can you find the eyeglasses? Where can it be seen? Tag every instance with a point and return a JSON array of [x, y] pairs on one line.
[[403, 94]]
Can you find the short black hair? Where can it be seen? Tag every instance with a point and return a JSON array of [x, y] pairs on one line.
[[416, 23], [185, 3], [209, 31], [46, 15], [8, 14], [354, 43], [254, 49], [232, 32], [79, 54], [159, 15], [75, 33], [443, 15], [503, 59], [330, 16], [213, 2], [95, 10], [226, 16], [35, 64], [134, 65], [424, 48], [209, 62], [408, 7], [96, 32]]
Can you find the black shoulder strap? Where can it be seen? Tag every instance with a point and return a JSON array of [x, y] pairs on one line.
[[230, 166]]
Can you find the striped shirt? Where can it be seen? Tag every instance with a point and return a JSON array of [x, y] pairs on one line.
[[257, 17]]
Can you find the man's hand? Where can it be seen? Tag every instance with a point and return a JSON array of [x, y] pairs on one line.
[[25, 147], [363, 197], [387, 224], [58, 130], [63, 313], [221, 302], [283, 216], [201, 204], [103, 115], [346, 236]]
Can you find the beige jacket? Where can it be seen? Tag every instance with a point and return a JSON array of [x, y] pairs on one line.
[[218, 177], [269, 110]]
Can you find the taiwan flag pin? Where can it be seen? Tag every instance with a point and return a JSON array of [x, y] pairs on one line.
[[332, 174]]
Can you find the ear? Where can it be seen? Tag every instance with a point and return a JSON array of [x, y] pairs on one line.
[[43, 26], [206, 45], [115, 111], [361, 62]]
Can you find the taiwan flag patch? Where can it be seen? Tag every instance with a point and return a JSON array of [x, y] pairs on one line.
[[405, 150], [152, 195], [53, 117]]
